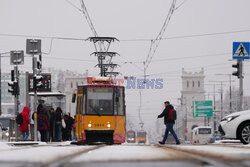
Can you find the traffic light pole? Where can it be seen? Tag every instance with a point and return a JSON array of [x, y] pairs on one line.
[[239, 74], [16, 101], [241, 84], [35, 97]]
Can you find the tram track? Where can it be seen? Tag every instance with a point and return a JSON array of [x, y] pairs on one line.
[[64, 160], [208, 158]]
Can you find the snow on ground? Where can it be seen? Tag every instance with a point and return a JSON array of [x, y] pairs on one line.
[[227, 141], [41, 154], [220, 150], [128, 153], [4, 146]]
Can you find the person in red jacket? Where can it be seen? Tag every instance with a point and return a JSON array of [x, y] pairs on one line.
[[24, 127]]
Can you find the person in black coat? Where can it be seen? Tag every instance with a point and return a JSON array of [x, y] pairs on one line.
[[58, 119], [52, 121], [169, 115], [69, 121]]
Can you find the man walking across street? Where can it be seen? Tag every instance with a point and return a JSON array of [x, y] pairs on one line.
[[169, 115]]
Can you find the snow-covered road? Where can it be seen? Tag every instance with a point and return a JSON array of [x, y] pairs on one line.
[[64, 154]]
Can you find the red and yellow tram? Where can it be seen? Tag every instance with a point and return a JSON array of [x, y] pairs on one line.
[[100, 113]]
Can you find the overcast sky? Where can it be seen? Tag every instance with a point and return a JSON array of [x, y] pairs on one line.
[[129, 20]]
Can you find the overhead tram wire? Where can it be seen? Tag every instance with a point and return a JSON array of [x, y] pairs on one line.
[[72, 4], [124, 40], [89, 21], [192, 68], [187, 36], [155, 43], [179, 58]]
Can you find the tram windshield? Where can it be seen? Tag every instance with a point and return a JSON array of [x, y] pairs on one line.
[[130, 134], [100, 102], [141, 134]]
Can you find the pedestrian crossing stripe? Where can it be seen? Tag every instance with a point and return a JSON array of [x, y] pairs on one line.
[[241, 50]]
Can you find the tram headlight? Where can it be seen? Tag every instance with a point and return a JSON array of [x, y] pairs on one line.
[[108, 124], [90, 124]]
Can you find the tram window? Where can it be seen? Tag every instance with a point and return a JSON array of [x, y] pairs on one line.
[[120, 101], [78, 105], [83, 104], [130, 135], [100, 102], [141, 134]]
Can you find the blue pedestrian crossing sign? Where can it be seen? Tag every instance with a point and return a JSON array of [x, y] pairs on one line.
[[241, 50]]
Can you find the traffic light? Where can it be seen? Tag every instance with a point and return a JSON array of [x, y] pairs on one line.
[[14, 88], [11, 83], [237, 73], [39, 63], [38, 81]]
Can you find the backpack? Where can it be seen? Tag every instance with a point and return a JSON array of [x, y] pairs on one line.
[[171, 115], [19, 119]]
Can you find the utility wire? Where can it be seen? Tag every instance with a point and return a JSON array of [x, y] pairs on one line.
[[190, 57], [76, 7], [178, 58], [187, 36], [155, 43], [70, 59], [44, 37], [125, 40], [50, 48], [86, 14]]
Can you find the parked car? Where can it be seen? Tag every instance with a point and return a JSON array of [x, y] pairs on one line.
[[236, 126]]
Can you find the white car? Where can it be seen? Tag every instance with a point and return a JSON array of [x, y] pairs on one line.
[[236, 126]]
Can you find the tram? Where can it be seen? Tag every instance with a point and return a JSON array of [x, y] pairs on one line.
[[100, 112], [131, 136], [141, 136]]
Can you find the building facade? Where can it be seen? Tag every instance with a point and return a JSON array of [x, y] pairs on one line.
[[192, 90]]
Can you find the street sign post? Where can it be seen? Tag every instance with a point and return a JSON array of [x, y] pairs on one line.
[[241, 50], [17, 57], [203, 108], [33, 47]]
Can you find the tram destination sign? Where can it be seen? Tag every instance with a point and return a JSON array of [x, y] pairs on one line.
[[203, 108]]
